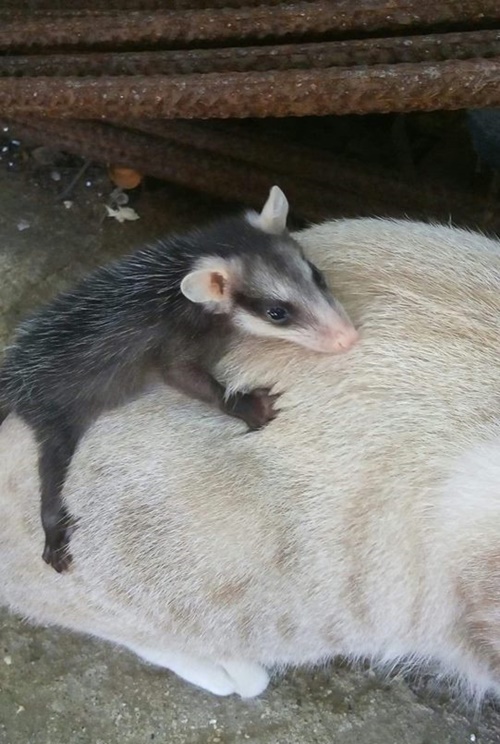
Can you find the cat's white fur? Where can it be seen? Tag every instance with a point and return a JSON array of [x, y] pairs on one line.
[[363, 521]]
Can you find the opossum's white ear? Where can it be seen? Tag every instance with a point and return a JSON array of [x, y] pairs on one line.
[[206, 285], [274, 213]]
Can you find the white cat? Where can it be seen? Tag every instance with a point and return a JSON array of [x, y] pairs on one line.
[[363, 521]]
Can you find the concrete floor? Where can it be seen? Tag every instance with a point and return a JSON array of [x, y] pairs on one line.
[[58, 688]]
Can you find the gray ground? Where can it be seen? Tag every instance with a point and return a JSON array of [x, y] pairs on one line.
[[58, 688]]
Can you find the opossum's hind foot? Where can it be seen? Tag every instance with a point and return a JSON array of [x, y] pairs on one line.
[[58, 557], [56, 552], [256, 409]]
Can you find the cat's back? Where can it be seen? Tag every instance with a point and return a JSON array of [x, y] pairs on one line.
[[329, 531]]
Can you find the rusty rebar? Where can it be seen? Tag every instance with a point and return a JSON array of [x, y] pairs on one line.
[[181, 165], [355, 90], [394, 50], [19, 8], [270, 150], [233, 180], [264, 150], [291, 20]]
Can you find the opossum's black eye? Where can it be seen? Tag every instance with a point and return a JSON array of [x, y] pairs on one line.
[[278, 314], [317, 276]]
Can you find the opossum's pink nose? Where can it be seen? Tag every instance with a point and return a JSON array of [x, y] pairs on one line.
[[336, 339], [347, 338]]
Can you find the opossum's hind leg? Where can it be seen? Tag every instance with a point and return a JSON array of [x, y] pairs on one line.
[[4, 412], [57, 443]]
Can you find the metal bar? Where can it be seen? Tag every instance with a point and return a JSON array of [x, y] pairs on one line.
[[264, 150], [184, 166], [222, 25], [432, 47], [357, 90], [19, 8], [233, 180]]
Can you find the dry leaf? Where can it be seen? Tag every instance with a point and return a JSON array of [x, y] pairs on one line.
[[122, 214]]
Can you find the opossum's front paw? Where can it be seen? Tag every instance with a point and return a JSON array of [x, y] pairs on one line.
[[263, 410], [56, 552], [255, 408]]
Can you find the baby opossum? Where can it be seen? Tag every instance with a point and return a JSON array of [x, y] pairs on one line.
[[172, 307]]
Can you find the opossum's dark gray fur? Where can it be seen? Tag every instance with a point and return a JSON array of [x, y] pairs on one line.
[[92, 347]]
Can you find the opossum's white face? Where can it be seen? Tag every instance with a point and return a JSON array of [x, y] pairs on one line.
[[272, 293], [300, 311]]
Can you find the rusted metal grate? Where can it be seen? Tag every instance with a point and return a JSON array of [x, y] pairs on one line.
[[110, 80]]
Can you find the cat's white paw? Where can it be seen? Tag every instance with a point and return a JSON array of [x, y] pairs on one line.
[[215, 680], [245, 678], [194, 669], [250, 679]]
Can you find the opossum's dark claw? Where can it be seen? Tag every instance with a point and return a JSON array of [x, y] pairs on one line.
[[256, 409], [264, 403], [265, 394], [56, 553]]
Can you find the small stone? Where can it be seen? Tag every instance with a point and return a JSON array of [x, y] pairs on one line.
[[8, 660], [118, 197], [67, 203], [55, 176], [23, 225]]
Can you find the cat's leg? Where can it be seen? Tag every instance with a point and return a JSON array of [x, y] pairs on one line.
[[194, 669], [243, 678]]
